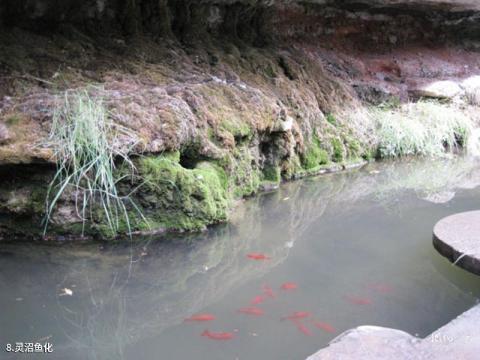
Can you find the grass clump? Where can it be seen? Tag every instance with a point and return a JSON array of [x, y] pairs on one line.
[[83, 138], [424, 128], [354, 149]]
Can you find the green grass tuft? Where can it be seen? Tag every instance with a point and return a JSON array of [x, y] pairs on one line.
[[424, 128], [84, 141]]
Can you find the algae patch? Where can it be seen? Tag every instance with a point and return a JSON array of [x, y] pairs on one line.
[[314, 155]]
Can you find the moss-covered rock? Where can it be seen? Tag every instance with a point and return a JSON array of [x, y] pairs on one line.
[[314, 155], [170, 196], [244, 172]]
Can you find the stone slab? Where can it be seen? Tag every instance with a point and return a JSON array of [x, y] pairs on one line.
[[459, 339], [457, 237], [369, 342]]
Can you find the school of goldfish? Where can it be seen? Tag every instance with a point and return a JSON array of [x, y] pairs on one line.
[[300, 319]]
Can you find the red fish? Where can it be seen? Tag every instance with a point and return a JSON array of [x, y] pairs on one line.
[[257, 300], [324, 326], [302, 328], [297, 315], [289, 286], [218, 335], [251, 311], [257, 256], [201, 317], [267, 290], [381, 288], [358, 300]]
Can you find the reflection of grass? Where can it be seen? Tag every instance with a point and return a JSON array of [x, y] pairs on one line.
[[423, 128], [82, 136], [432, 178], [427, 178]]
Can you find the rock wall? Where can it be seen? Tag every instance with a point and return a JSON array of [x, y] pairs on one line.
[[221, 98], [187, 18]]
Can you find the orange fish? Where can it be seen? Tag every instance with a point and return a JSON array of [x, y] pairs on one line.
[[381, 288], [218, 335], [201, 317], [257, 256], [358, 300], [251, 311], [324, 326], [297, 315], [289, 286], [302, 328], [267, 290], [257, 300]]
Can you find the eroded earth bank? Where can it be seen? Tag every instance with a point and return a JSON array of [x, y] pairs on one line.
[[181, 108]]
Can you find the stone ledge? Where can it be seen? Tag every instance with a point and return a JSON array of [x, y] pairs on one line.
[[457, 237], [458, 339]]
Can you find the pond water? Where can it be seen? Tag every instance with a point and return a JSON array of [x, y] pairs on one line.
[[357, 246]]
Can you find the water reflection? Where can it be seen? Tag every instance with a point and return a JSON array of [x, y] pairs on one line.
[[123, 293]]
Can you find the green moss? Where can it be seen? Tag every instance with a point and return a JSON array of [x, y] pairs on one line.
[[239, 129], [212, 167], [338, 155], [354, 148], [173, 156], [314, 155], [272, 173], [211, 134], [331, 119], [245, 176], [291, 166], [172, 197]]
